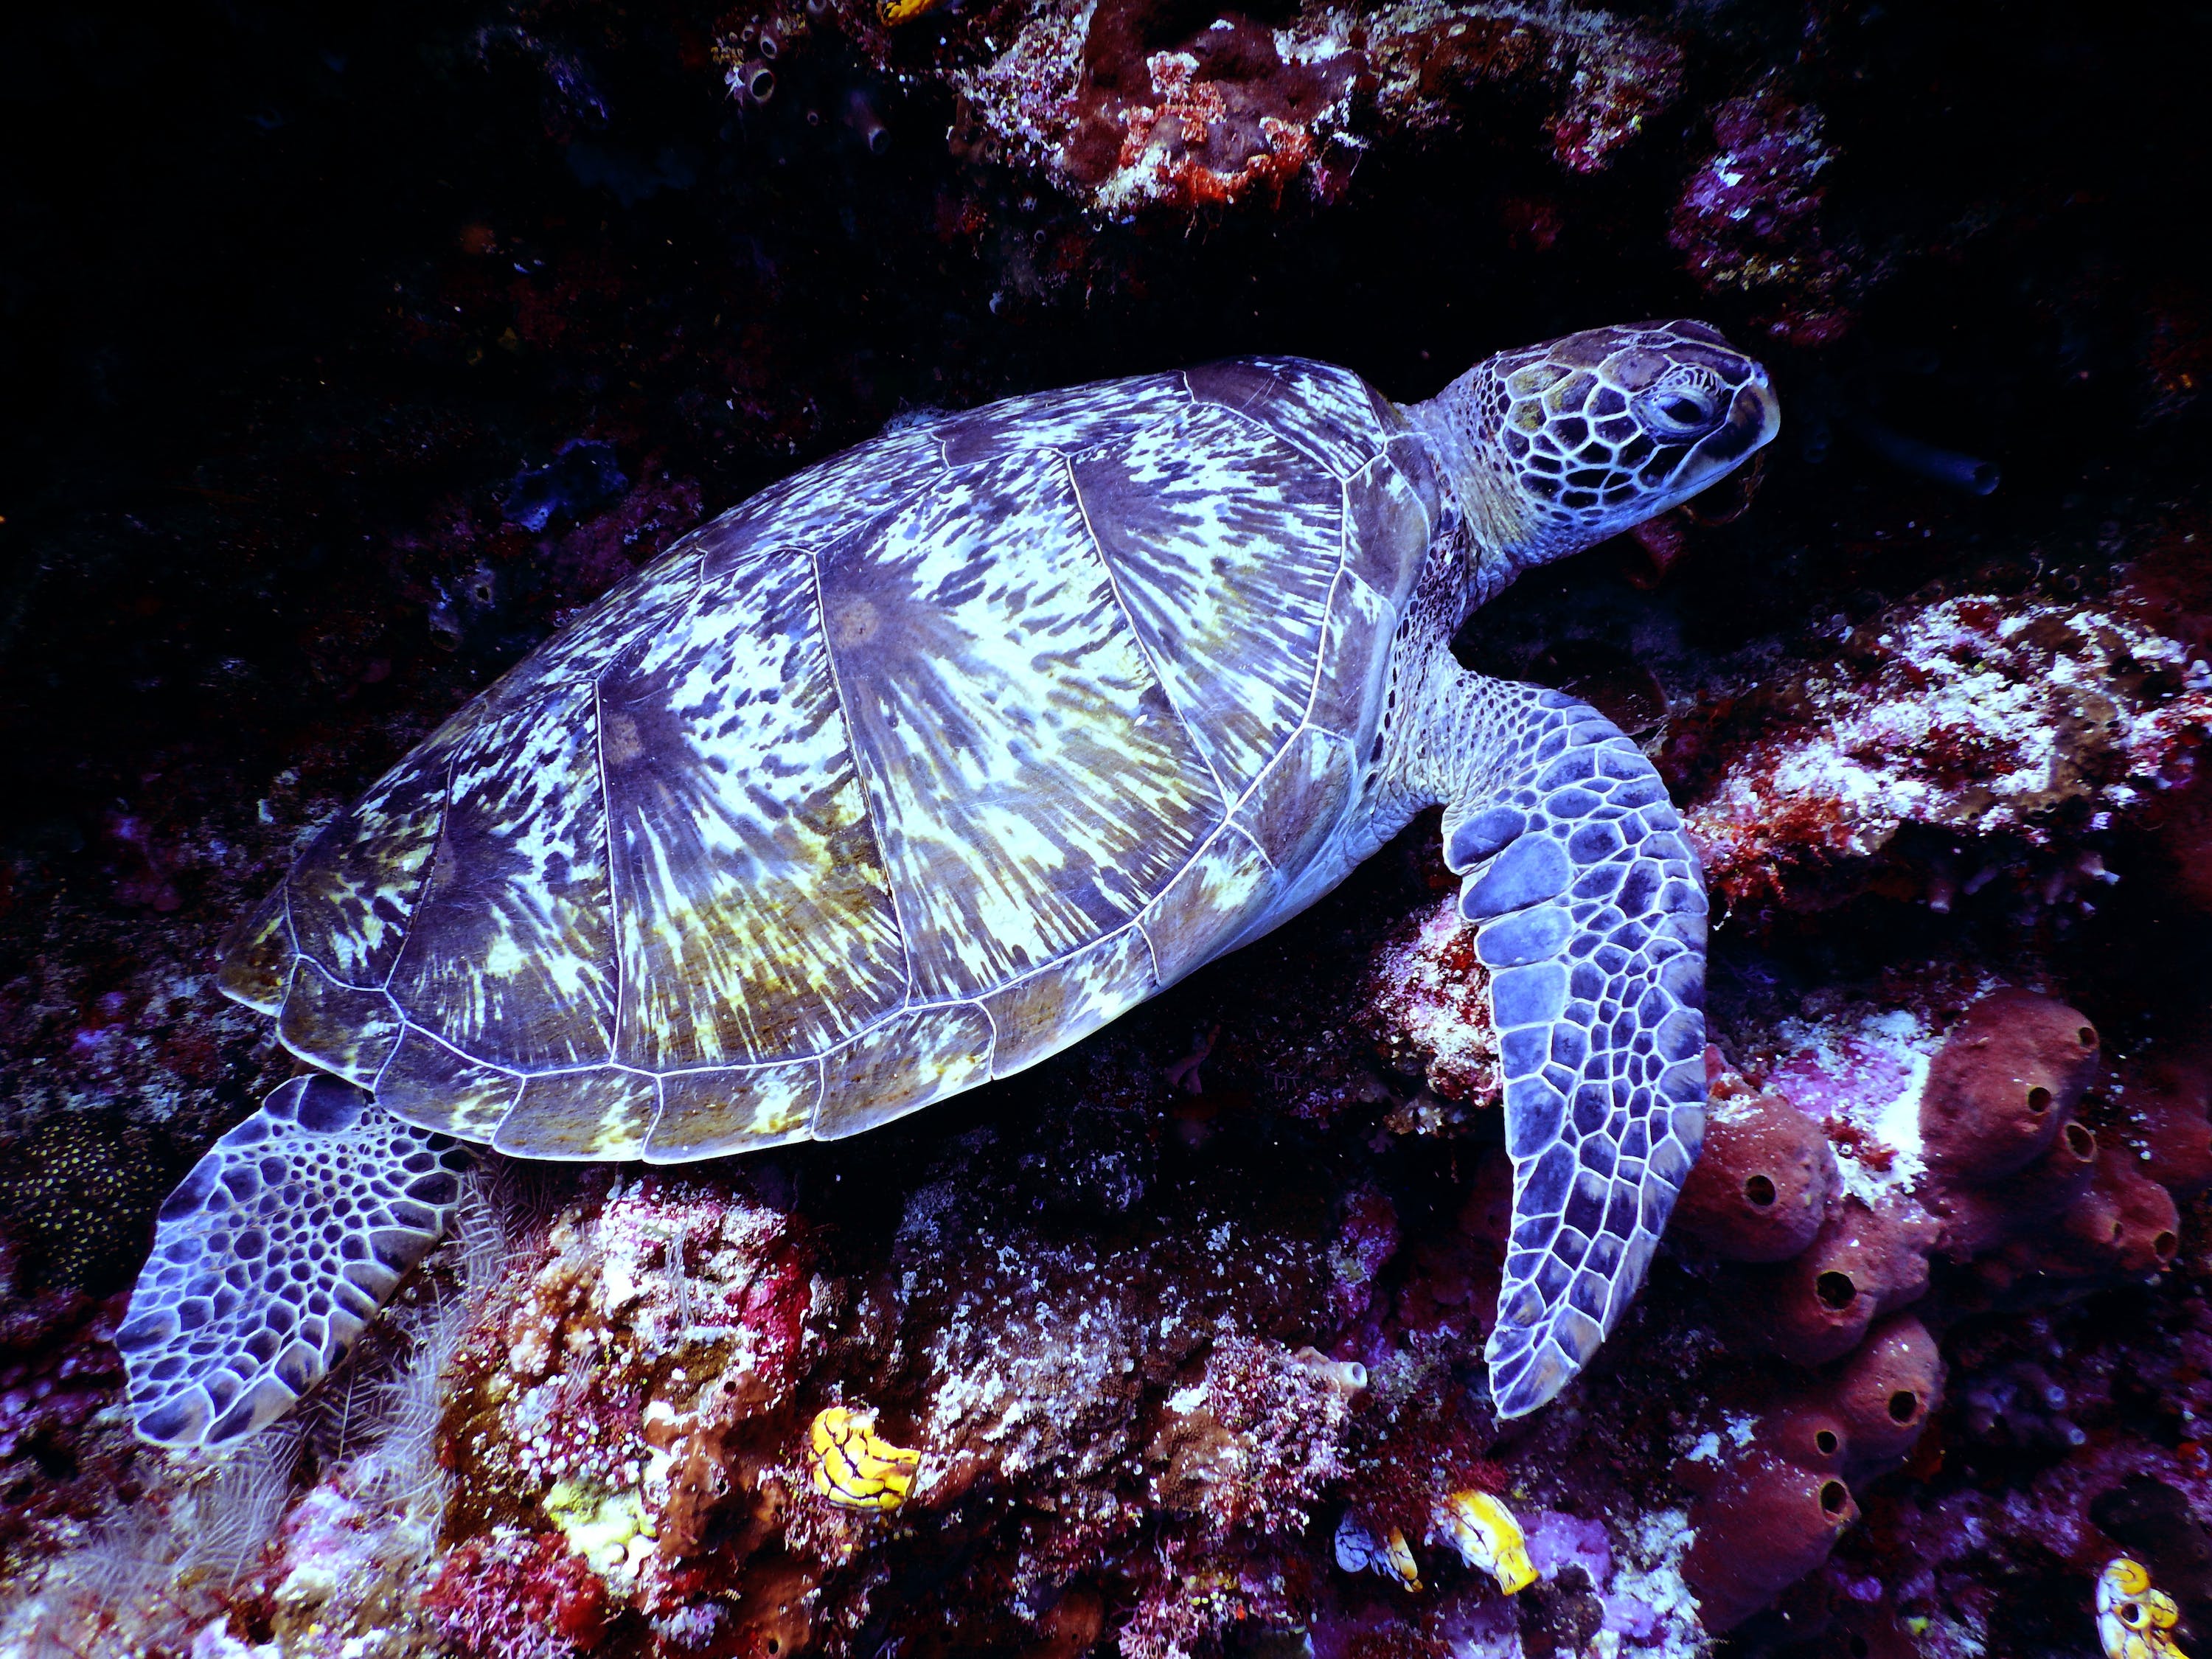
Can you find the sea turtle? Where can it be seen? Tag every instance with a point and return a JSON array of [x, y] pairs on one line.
[[922, 764]]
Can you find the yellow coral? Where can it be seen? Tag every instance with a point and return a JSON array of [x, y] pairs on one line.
[[2133, 1620], [610, 1529], [852, 1468], [1484, 1533], [904, 11]]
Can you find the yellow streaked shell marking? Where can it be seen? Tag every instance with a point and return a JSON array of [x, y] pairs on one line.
[[353, 895], [908, 1061], [965, 680], [755, 916], [596, 1116], [1487, 1537], [349, 1031], [1195, 515], [1355, 661], [257, 956], [1391, 526], [1302, 798], [1329, 414], [510, 956], [1056, 1005], [734, 1110], [1206, 909], [426, 1084], [2134, 1621], [854, 1466]]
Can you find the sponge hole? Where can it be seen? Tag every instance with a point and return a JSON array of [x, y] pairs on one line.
[[1835, 1497], [1835, 1289], [1904, 1405], [1759, 1190], [2039, 1100]]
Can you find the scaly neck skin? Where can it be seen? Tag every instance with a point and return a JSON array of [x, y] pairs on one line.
[[1436, 746], [1506, 537]]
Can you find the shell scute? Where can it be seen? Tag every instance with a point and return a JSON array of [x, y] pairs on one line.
[[1300, 799], [968, 683], [734, 1110], [1390, 527], [350, 1031], [1325, 412], [754, 916], [1354, 657], [901, 1066], [254, 960], [1066, 420], [633, 609], [354, 892], [1224, 541], [602, 1114], [1203, 912], [812, 508], [428, 1084], [1043, 1014], [510, 954]]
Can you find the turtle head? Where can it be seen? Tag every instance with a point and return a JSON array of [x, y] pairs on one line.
[[1560, 446]]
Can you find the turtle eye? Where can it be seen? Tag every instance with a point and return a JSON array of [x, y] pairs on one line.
[[1679, 411]]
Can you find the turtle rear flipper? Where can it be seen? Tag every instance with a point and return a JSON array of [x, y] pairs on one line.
[[1593, 920], [274, 1254]]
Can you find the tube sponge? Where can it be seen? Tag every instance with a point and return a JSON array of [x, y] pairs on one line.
[[1884, 1392], [1863, 1262], [2006, 1078], [1764, 1524], [1979, 1219], [2125, 1218], [1760, 1188]]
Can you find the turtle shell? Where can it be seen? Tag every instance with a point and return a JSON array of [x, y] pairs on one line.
[[908, 772]]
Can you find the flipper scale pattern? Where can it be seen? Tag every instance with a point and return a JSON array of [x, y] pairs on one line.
[[1593, 913], [274, 1254]]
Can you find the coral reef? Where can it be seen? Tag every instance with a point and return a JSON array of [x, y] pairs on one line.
[[1125, 107]]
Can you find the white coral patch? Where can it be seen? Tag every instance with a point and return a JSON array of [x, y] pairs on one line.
[[1972, 720]]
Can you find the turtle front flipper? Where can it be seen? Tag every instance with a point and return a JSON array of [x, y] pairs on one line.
[[274, 1254], [1593, 913]]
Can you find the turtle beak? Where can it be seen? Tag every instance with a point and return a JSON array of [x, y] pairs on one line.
[[1754, 418]]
